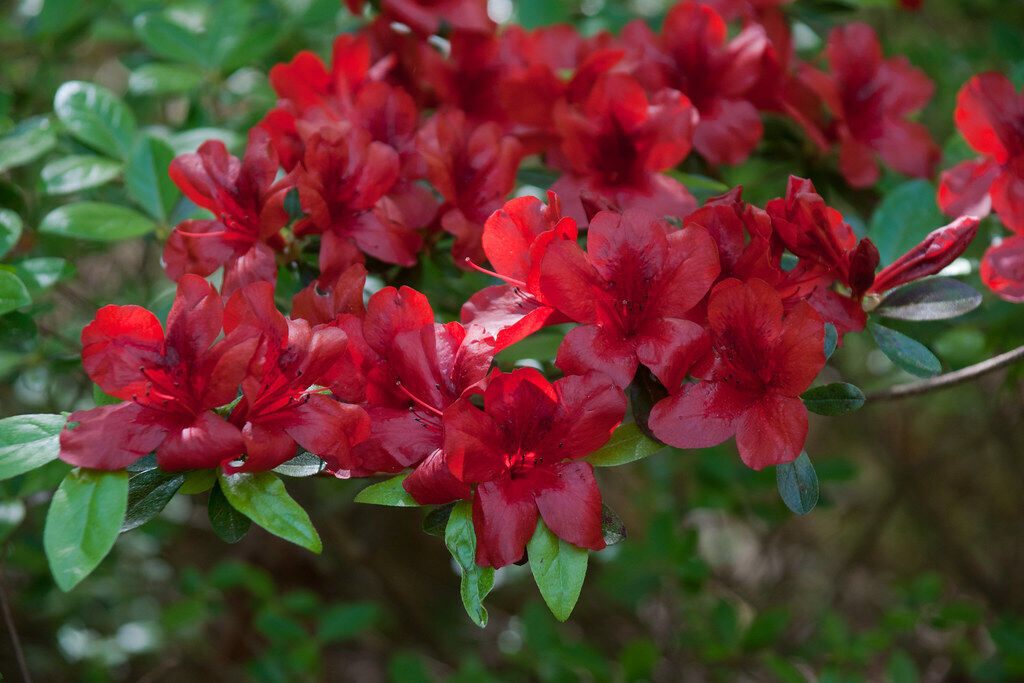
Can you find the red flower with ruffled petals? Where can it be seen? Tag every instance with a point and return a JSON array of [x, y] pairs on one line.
[[282, 404], [427, 17], [169, 383], [692, 56], [870, 98], [473, 168], [632, 290], [249, 209], [750, 386], [515, 238], [616, 141], [523, 450]]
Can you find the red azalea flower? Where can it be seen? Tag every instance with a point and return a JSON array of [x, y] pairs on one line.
[[692, 56], [990, 115], [342, 183], [427, 17], [473, 168], [282, 404], [616, 141], [870, 99], [169, 385], [249, 209], [743, 235], [515, 237], [750, 387], [632, 290], [523, 451]]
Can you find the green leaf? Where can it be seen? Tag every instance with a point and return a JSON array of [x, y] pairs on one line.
[[170, 39], [13, 293], [389, 492], [476, 581], [293, 205], [341, 622], [612, 527], [149, 491], [262, 498], [302, 465], [909, 355], [28, 442], [831, 340], [78, 172], [833, 399], [147, 179], [102, 398], [188, 141], [164, 79], [83, 522], [700, 182], [12, 513], [10, 230], [96, 116], [798, 484], [903, 218], [43, 271], [559, 568], [227, 522], [96, 221], [197, 481], [27, 142], [627, 444], [436, 520], [936, 298]]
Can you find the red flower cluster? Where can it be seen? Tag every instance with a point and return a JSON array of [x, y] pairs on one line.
[[990, 115]]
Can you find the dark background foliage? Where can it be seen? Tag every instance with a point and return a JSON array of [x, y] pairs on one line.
[[908, 569]]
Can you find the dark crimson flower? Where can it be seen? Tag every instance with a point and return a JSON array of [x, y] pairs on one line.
[[743, 235], [632, 290], [515, 238], [325, 299], [870, 98], [523, 450], [342, 183], [283, 402], [427, 17], [692, 56], [936, 251], [249, 209], [750, 385], [615, 142], [990, 115], [169, 383], [473, 168]]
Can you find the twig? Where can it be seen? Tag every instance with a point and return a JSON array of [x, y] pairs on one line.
[[950, 378], [9, 620]]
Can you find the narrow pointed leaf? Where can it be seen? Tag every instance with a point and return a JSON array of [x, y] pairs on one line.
[[477, 581], [627, 444], [831, 340], [559, 569], [28, 442], [909, 355], [936, 298], [83, 522], [227, 522], [262, 498], [833, 399], [798, 484], [388, 492]]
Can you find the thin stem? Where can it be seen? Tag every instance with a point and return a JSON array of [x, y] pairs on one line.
[[9, 620], [950, 378]]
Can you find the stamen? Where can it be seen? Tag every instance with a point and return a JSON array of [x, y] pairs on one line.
[[417, 401], [510, 280]]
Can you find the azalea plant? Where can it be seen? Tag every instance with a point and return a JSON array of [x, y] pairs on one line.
[[553, 185]]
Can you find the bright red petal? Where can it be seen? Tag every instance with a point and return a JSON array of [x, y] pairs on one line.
[[117, 344], [772, 431], [504, 517], [573, 510], [964, 189], [206, 443]]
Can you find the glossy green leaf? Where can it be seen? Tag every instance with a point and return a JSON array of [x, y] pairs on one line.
[[302, 465], [10, 230], [935, 298], [13, 293], [388, 492], [833, 399], [96, 116], [909, 355], [627, 444], [263, 498], [83, 522], [197, 481], [96, 221], [78, 172], [164, 79], [227, 522], [43, 271], [149, 491], [798, 484], [28, 442], [476, 581], [903, 218], [831, 340], [27, 142], [436, 520], [170, 39], [559, 569], [147, 180], [102, 398]]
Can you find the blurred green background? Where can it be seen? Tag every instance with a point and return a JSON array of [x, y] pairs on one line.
[[908, 569]]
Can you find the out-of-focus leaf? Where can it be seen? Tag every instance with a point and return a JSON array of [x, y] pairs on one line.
[[43, 271], [96, 221], [13, 293], [831, 340], [935, 298], [27, 142], [12, 513], [10, 230], [909, 355], [903, 218], [798, 484], [341, 622], [147, 180], [78, 172], [164, 79], [170, 39], [96, 116]]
